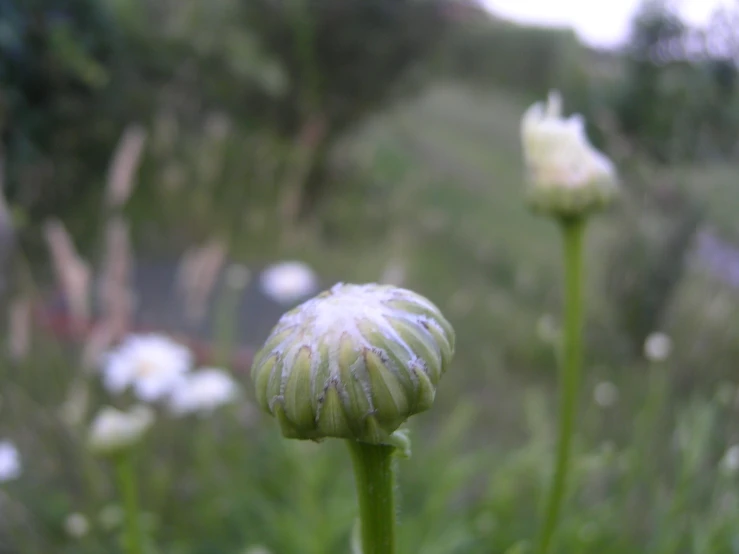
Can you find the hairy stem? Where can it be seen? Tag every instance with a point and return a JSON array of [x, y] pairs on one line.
[[373, 472]]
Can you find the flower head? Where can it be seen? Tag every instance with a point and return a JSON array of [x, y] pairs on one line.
[[113, 430], [657, 347], [567, 176], [203, 391], [152, 364], [354, 362], [288, 282], [10, 462]]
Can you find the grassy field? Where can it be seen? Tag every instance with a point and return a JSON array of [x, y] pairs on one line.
[[442, 207]]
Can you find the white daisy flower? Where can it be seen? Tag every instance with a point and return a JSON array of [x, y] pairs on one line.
[[152, 364], [113, 430], [203, 391], [288, 282], [10, 462], [657, 347]]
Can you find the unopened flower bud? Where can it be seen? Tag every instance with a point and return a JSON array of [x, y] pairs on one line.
[[567, 176], [354, 362]]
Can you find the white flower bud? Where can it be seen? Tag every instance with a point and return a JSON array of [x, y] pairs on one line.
[[567, 176]]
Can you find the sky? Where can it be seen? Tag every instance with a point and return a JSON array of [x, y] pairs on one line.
[[603, 23]]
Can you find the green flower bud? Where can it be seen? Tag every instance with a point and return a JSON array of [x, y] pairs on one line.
[[354, 362]]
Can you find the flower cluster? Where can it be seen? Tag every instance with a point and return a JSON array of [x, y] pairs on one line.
[[157, 368], [154, 368]]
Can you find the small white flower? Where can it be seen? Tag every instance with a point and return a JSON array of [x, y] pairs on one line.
[[203, 391], [10, 461], [288, 282], [730, 461], [605, 394], [152, 364], [113, 430], [657, 347], [566, 172], [76, 525]]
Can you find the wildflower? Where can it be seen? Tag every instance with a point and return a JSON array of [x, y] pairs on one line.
[[354, 362], [203, 391], [730, 461], [657, 347], [76, 525], [152, 364], [10, 461], [567, 176], [113, 430], [288, 282], [605, 394]]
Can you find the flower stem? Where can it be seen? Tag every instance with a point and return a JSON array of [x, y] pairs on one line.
[[127, 485], [375, 481], [573, 231]]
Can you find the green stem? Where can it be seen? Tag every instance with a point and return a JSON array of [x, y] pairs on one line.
[[573, 231], [127, 485], [374, 476]]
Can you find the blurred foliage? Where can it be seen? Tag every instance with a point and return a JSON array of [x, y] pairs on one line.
[[74, 72], [658, 221], [679, 100], [60, 108], [488, 52]]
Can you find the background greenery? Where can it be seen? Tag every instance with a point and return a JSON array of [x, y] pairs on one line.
[[362, 136]]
